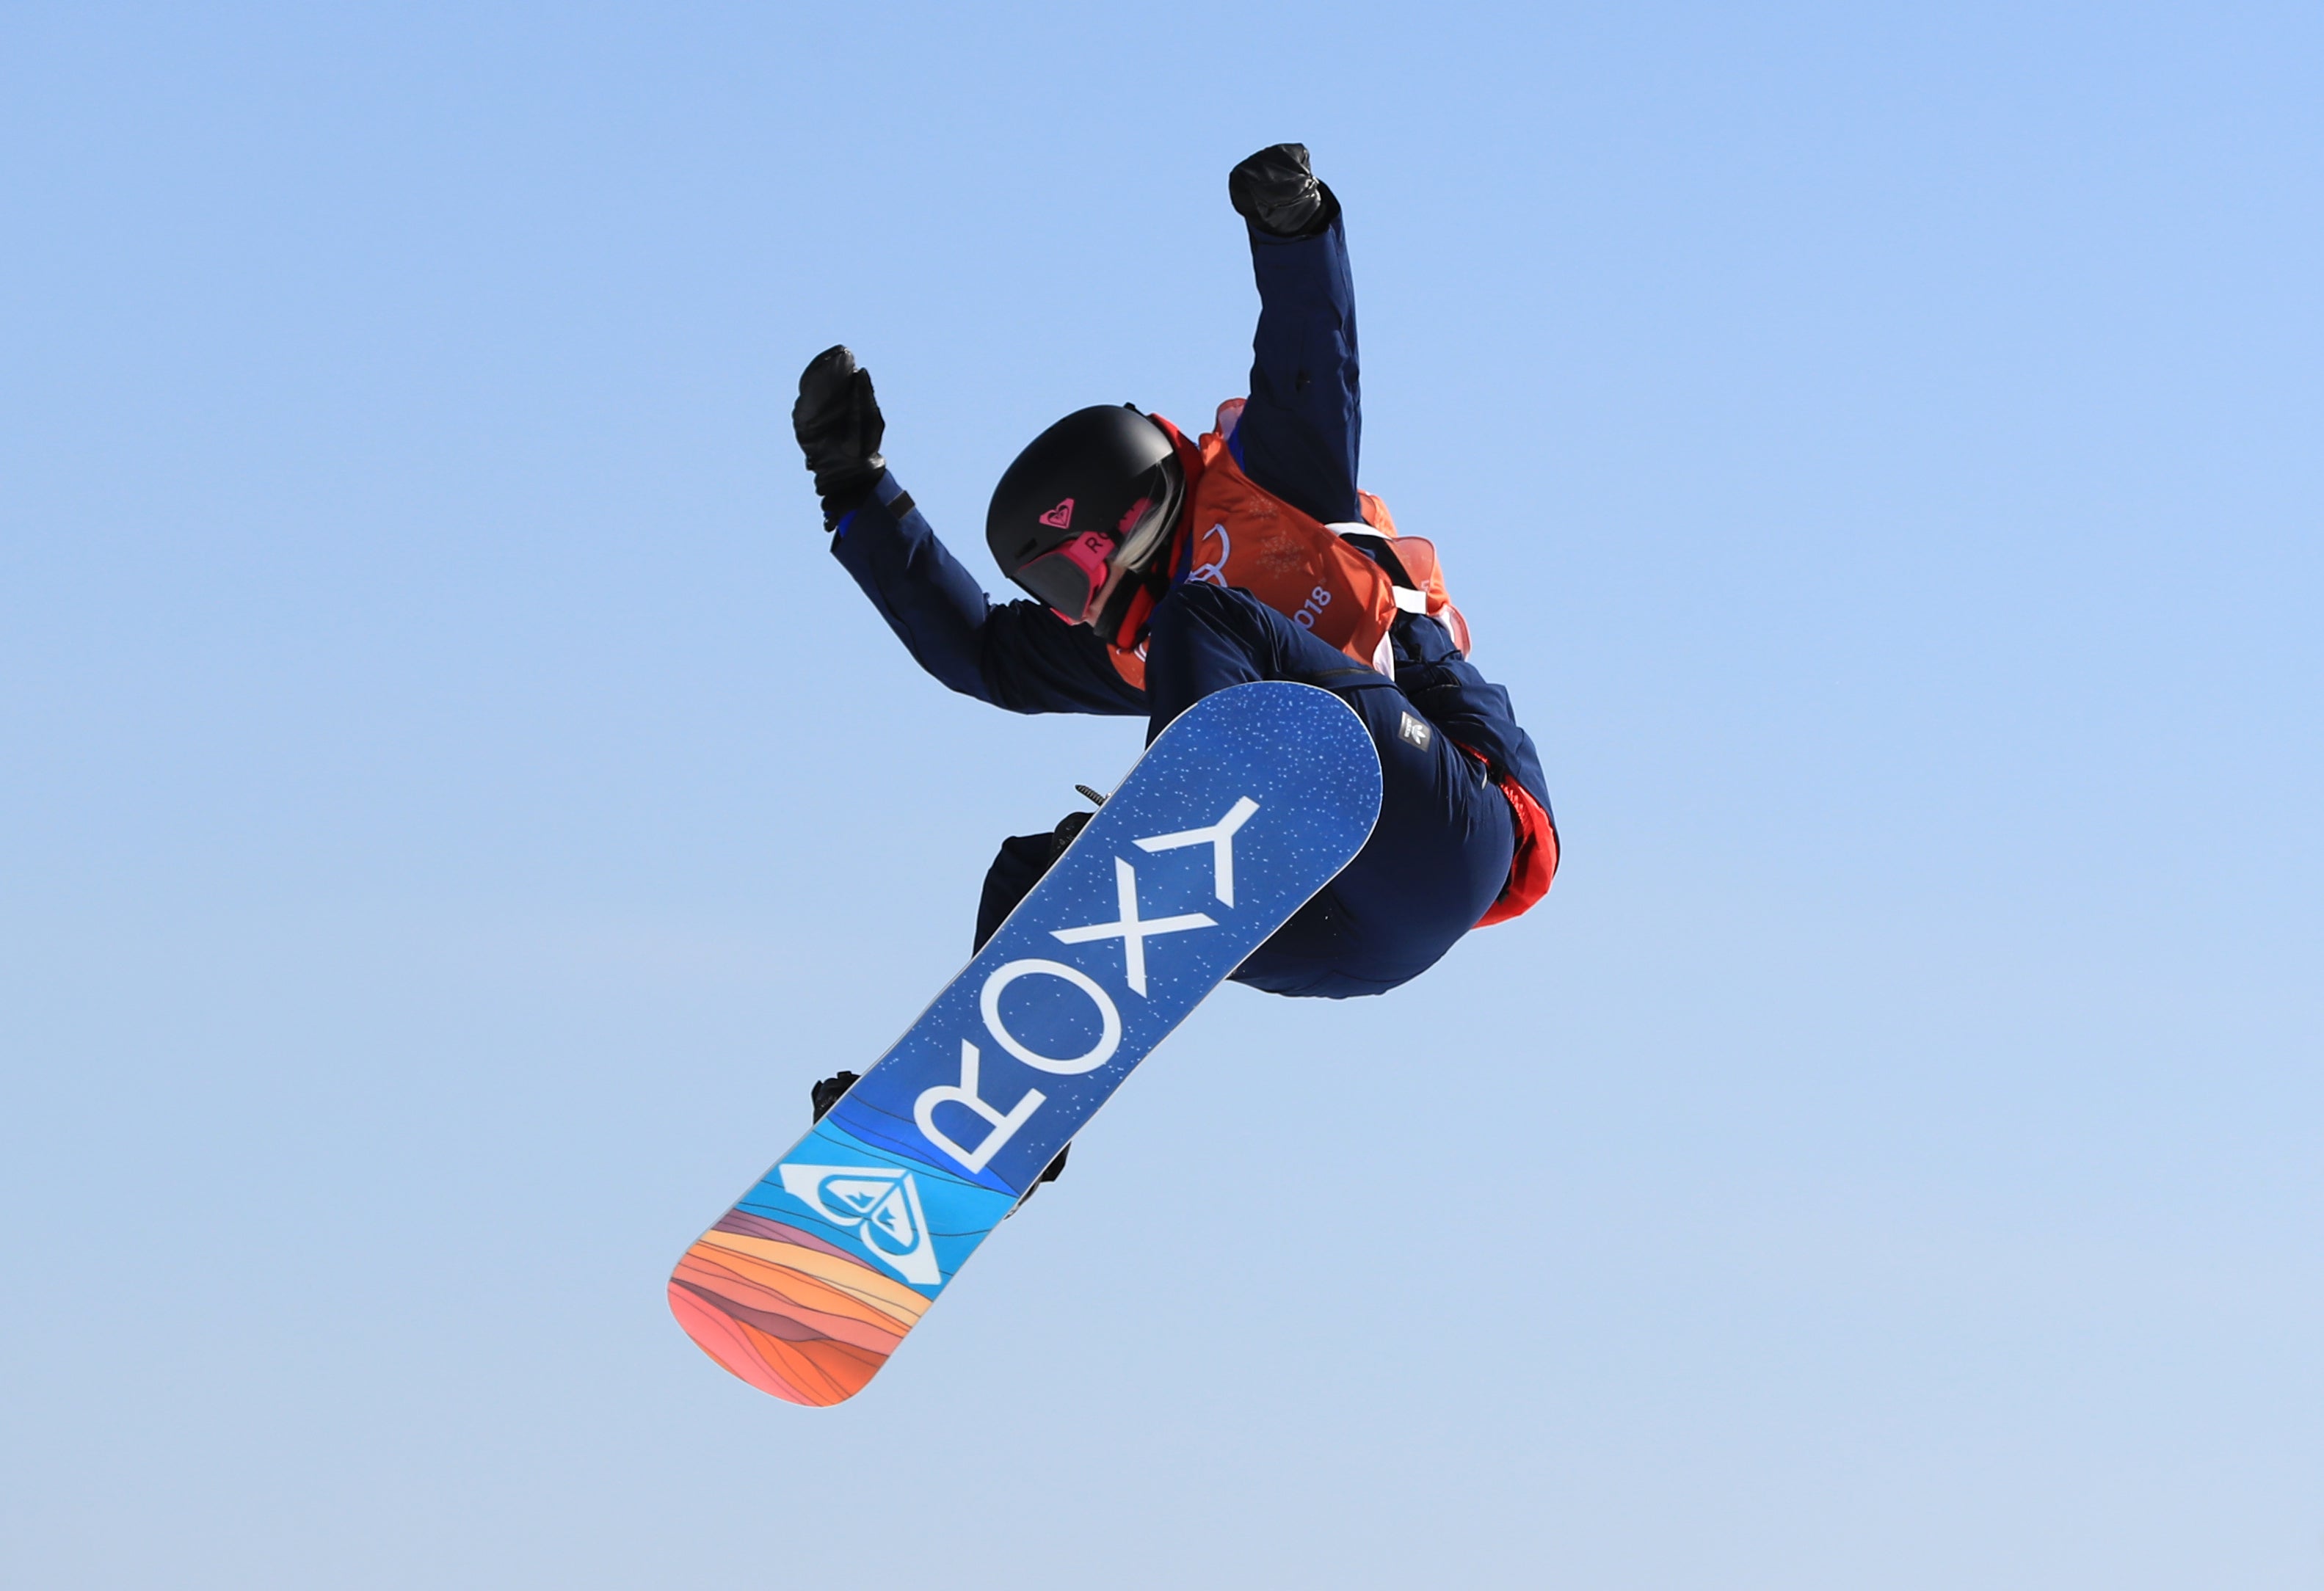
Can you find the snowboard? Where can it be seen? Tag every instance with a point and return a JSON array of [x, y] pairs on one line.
[[1238, 812]]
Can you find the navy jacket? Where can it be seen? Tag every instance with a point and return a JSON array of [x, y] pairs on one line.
[[1298, 438]]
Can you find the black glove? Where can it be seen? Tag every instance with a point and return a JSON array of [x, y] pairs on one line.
[[1276, 192], [837, 422]]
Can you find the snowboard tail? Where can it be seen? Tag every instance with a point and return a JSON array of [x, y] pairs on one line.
[[788, 1312], [1236, 816]]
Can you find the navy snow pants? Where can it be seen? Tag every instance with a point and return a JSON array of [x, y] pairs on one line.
[[1435, 863]]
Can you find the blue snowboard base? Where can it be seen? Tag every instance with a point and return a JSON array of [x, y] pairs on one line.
[[1236, 815]]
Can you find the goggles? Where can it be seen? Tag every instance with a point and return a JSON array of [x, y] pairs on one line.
[[1068, 576]]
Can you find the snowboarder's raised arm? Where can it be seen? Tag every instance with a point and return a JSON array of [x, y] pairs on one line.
[[1302, 427], [1018, 655]]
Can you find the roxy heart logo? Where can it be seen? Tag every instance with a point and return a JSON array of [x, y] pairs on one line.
[[1060, 517], [882, 1205]]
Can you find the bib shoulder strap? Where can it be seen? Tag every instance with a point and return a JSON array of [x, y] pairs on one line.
[[1381, 551]]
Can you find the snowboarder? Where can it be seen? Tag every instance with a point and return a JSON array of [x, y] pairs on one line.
[[1162, 569]]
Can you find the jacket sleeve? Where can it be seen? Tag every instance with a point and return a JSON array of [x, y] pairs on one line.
[[1304, 426], [1018, 655]]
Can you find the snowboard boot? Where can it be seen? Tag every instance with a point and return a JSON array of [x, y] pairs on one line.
[[828, 1093], [1023, 860], [1057, 1167]]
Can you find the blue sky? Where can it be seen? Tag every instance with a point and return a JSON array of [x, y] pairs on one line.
[[452, 807]]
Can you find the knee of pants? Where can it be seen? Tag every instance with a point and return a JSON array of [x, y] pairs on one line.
[[1198, 605], [1202, 639]]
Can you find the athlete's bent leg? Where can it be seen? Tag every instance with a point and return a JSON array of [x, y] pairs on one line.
[[1441, 851]]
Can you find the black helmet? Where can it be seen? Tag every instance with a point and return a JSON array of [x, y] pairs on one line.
[[1097, 490]]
